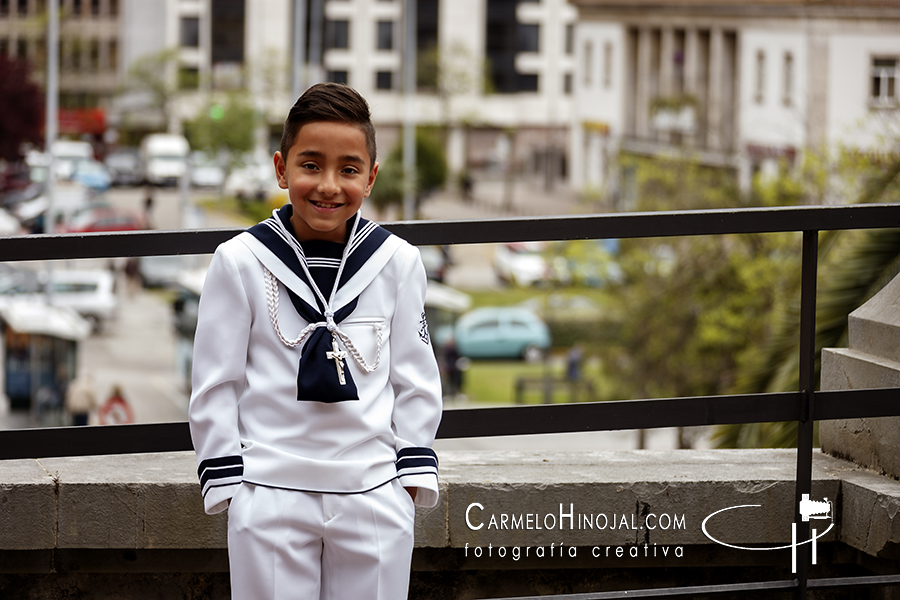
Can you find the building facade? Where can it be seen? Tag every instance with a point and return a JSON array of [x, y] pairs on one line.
[[496, 73], [89, 55], [745, 85]]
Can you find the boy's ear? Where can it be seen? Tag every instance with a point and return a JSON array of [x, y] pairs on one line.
[[371, 181], [279, 170]]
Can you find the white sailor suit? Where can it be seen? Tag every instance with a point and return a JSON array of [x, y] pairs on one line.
[[312, 409]]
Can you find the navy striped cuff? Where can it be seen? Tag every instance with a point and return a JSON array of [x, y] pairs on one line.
[[416, 460], [216, 472]]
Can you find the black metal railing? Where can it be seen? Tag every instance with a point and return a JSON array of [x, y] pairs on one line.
[[804, 405]]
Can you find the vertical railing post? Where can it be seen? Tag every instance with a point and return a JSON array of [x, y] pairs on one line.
[[807, 389]]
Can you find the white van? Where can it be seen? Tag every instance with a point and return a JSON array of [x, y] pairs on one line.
[[67, 155], [164, 157]]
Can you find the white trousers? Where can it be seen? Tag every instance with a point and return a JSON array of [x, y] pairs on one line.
[[306, 546]]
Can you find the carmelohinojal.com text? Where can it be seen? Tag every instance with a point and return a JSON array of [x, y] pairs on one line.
[[567, 519]]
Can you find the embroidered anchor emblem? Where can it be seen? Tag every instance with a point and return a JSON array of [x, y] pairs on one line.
[[338, 356]]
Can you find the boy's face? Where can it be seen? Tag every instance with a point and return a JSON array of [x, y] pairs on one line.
[[326, 173]]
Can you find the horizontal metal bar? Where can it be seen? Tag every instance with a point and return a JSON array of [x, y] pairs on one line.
[[112, 244], [614, 225], [615, 415], [94, 440], [861, 581], [693, 590], [487, 422], [850, 404], [732, 588]]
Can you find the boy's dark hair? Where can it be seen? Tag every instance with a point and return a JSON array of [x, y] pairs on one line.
[[329, 102]]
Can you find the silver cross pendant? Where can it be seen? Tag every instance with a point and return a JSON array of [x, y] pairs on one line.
[[338, 356]]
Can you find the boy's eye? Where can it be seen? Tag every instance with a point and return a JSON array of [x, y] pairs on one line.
[[309, 166], [350, 170]]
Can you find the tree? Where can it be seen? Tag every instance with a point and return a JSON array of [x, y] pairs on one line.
[[225, 125], [694, 307], [153, 76], [431, 172], [21, 109], [854, 266]]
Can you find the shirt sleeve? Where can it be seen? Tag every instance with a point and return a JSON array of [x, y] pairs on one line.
[[417, 386], [219, 362]]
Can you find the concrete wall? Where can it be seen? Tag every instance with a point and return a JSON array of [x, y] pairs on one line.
[[508, 523], [871, 361]]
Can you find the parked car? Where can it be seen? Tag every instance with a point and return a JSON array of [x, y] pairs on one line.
[[526, 264], [255, 181], [90, 293], [125, 167], [93, 175], [205, 171], [498, 332], [161, 271], [434, 258], [103, 217]]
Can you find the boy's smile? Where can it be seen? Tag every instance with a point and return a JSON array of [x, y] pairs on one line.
[[327, 176]]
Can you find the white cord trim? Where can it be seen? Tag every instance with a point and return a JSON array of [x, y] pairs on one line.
[[272, 300]]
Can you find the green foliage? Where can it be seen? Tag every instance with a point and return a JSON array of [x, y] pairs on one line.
[[224, 125], [431, 171], [853, 267], [695, 310], [154, 75]]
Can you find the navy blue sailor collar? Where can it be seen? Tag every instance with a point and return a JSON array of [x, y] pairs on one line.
[[370, 248]]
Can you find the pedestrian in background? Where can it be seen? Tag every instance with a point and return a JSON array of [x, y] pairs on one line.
[[81, 399]]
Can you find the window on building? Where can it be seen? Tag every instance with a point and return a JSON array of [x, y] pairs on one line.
[[22, 7], [570, 39], [529, 37], [384, 80], [227, 18], [113, 8], [385, 35], [4, 47], [4, 8], [77, 7], [337, 34], [190, 32], [94, 55], [760, 85], [95, 8], [588, 63], [788, 79], [567, 83], [113, 55], [607, 64], [884, 81], [528, 82], [338, 77], [427, 17], [21, 49]]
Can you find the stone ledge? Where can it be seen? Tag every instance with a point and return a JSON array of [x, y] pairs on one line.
[[152, 501]]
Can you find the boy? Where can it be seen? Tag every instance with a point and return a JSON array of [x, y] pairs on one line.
[[316, 395]]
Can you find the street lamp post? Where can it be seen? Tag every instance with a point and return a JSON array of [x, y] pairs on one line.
[[409, 118]]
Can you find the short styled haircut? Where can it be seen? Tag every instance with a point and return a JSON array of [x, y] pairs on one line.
[[333, 102]]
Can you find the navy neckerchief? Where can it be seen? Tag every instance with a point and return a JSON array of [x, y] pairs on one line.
[[317, 376]]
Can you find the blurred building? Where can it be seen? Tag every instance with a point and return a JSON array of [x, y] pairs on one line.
[[88, 55], [744, 84], [497, 72]]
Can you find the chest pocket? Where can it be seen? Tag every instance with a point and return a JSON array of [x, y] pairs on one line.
[[367, 337]]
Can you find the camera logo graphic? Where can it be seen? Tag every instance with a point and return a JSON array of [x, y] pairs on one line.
[[808, 509], [813, 509]]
